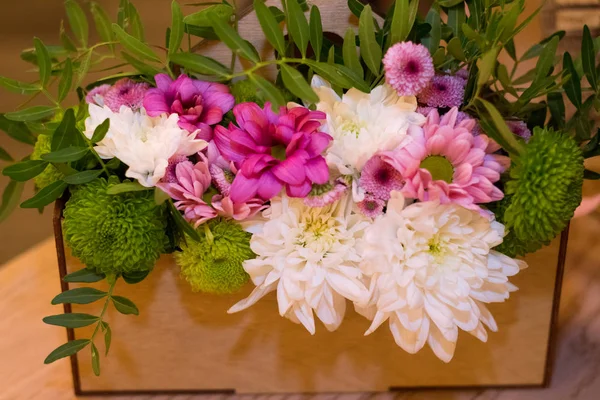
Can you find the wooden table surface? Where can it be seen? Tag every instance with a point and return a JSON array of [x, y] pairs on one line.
[[28, 282]]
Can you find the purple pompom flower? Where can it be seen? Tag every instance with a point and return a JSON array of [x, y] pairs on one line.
[[126, 92], [273, 151], [443, 91], [199, 104], [408, 68], [371, 206], [379, 178]]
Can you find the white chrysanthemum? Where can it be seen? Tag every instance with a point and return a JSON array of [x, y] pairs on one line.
[[308, 255], [145, 144], [431, 270], [362, 124]]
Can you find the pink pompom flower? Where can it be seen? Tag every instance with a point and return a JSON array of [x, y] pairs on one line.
[[443, 91], [96, 95], [445, 162], [379, 178], [126, 92], [199, 104], [273, 151], [408, 68], [371, 206]]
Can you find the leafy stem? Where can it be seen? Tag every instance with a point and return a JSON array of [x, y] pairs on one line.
[[91, 147], [262, 64], [112, 282]]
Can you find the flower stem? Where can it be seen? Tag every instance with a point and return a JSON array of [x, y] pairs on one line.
[[112, 282]]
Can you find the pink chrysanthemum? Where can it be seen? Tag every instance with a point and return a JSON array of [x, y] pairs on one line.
[[520, 129], [445, 162], [425, 110], [408, 68], [323, 195], [443, 91], [379, 178], [462, 74], [126, 93], [96, 95], [371, 206]]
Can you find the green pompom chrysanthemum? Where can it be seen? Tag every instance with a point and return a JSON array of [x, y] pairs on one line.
[[214, 264], [545, 186], [245, 91], [114, 234], [50, 174]]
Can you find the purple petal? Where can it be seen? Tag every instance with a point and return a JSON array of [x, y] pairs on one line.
[[317, 171], [268, 186], [249, 112], [256, 163], [301, 190], [206, 132], [187, 90], [163, 82], [243, 189], [224, 101], [222, 138], [155, 103], [291, 170], [319, 141]]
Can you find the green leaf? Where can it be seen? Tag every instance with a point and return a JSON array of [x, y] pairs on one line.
[[17, 130], [136, 28], [588, 58], [370, 50], [200, 64], [124, 305], [297, 25], [43, 60], [66, 80], [103, 24], [556, 105], [233, 40], [573, 85], [295, 83], [439, 57], [502, 134], [203, 18], [351, 59], [4, 156], [107, 336], [10, 198], [135, 277], [400, 21], [449, 3], [126, 187], [456, 18], [432, 41], [587, 174], [356, 7], [66, 350], [25, 170], [509, 21], [141, 66], [82, 177], [95, 360], [546, 60], [454, 48], [83, 276], [34, 113], [19, 87], [526, 77], [84, 295], [65, 40], [486, 65], [77, 21], [270, 26], [270, 91], [339, 75], [46, 195], [66, 134], [68, 154], [472, 35], [133, 45], [71, 320], [181, 223], [316, 31], [84, 68], [510, 49], [477, 12], [177, 28], [101, 131], [502, 73], [277, 13]]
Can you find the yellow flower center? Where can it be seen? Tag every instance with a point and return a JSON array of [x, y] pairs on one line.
[[353, 126], [439, 167]]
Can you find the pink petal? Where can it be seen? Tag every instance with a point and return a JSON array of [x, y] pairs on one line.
[[317, 171], [223, 141], [319, 141], [243, 189], [268, 186], [163, 82], [212, 116], [291, 170], [301, 190]]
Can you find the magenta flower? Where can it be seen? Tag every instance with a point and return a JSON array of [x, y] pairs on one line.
[[408, 68], [199, 104], [273, 151], [126, 92], [443, 91], [445, 162], [379, 178]]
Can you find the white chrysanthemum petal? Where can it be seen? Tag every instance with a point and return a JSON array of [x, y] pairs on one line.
[[258, 293], [431, 270]]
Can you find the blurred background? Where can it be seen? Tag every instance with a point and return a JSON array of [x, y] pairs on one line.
[[21, 20]]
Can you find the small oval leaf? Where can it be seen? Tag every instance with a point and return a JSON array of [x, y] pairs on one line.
[[25, 170], [34, 113], [66, 350], [83, 276], [124, 305], [71, 320], [84, 295]]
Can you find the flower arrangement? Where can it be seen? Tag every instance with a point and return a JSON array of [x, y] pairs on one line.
[[399, 170]]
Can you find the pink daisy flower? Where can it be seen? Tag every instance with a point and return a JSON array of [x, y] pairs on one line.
[[445, 162], [323, 195], [379, 178], [127, 93], [443, 91], [371, 206], [408, 68]]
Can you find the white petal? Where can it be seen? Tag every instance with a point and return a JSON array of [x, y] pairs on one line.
[[258, 293]]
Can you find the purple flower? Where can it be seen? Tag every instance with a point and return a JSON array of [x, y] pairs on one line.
[[443, 91], [520, 129], [463, 74], [125, 92], [408, 68], [273, 151], [199, 104], [371, 206], [96, 95], [379, 178]]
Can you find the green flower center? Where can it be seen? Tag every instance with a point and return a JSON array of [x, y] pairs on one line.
[[439, 167], [278, 152], [353, 127]]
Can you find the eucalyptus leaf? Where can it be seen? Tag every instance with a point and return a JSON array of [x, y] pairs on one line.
[[546, 60], [143, 67], [295, 83], [509, 21], [46, 195], [502, 74], [71, 320], [401, 24], [66, 80], [84, 276], [19, 87], [201, 31], [83, 295], [34, 113], [477, 12], [297, 25], [124, 305], [136, 28], [449, 3], [66, 350], [270, 26], [66, 40], [25, 170], [126, 187], [82, 177], [10, 198], [588, 58], [95, 360], [233, 40], [134, 45], [77, 21], [316, 31], [68, 154], [351, 59], [370, 50]]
